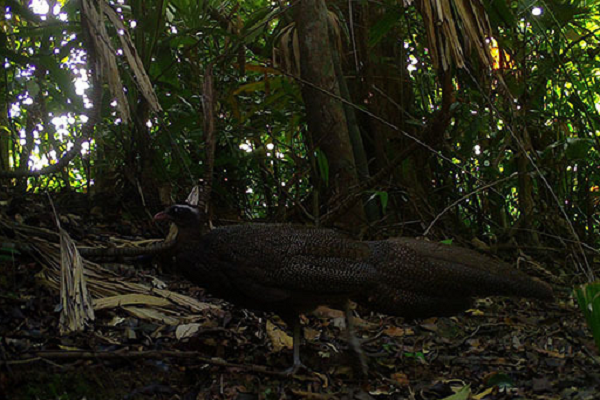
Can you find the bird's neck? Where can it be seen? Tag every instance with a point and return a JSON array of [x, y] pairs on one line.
[[187, 235]]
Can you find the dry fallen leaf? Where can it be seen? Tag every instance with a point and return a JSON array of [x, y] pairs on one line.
[[400, 378], [279, 338], [311, 334], [461, 394], [157, 283], [128, 300], [485, 393], [396, 331], [326, 312], [338, 318], [152, 315], [475, 312], [186, 330]]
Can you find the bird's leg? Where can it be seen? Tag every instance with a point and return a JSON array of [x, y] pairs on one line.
[[353, 340], [297, 365]]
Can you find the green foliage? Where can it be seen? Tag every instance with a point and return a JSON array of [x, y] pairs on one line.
[[323, 166], [544, 98], [463, 393], [8, 253], [501, 380], [382, 27], [588, 298]]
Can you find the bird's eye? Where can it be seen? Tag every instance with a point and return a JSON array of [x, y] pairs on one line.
[[176, 210]]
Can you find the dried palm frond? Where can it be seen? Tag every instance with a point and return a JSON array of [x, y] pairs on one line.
[[76, 309], [94, 25], [455, 28], [91, 287]]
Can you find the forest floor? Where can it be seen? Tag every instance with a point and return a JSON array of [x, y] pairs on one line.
[[501, 349]]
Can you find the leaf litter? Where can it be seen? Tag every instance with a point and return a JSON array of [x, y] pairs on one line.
[[147, 334]]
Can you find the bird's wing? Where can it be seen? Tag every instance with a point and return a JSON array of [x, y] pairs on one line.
[[318, 274], [302, 280], [293, 260]]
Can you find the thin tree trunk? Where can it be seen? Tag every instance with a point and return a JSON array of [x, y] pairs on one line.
[[358, 148], [4, 133], [526, 201]]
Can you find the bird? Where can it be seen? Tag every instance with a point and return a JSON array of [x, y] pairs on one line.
[[279, 268], [290, 270]]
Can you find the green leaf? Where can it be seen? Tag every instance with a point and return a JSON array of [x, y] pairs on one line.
[[323, 166], [500, 13], [182, 41], [383, 26], [383, 197], [14, 57], [577, 148], [32, 88], [463, 394], [45, 31], [9, 248], [588, 299], [24, 12], [501, 380], [250, 87], [417, 354], [258, 24]]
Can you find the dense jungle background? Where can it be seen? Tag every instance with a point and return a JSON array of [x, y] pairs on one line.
[[471, 123]]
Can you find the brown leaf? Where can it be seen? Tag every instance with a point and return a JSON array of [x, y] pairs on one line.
[[326, 312], [129, 299], [152, 315], [542, 385], [186, 330], [311, 334], [400, 378], [279, 338], [396, 331]]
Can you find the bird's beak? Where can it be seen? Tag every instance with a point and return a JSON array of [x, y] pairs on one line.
[[162, 216]]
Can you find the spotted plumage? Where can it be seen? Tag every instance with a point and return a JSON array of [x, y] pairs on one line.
[[289, 269]]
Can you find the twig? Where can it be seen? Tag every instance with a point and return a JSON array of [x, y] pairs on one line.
[[479, 189], [159, 354], [312, 395], [156, 248]]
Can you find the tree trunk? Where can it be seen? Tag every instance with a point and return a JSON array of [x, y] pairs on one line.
[[325, 114]]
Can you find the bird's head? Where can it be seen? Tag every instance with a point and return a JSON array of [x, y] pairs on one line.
[[182, 215]]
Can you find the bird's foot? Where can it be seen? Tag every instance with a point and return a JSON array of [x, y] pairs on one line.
[[293, 370], [360, 354], [364, 367], [353, 340]]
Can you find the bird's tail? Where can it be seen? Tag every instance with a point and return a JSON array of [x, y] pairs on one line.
[[419, 278], [475, 273]]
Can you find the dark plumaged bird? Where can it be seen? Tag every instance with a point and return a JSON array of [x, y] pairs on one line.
[[290, 270]]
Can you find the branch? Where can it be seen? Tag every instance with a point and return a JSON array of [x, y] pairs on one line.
[[159, 354], [125, 251]]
